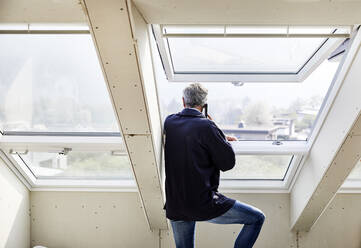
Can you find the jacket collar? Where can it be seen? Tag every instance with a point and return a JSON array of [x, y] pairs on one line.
[[191, 112]]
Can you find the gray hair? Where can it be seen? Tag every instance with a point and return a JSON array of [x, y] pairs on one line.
[[195, 95]]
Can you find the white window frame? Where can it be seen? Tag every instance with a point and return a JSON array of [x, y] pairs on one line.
[[32, 143], [299, 149], [57, 141], [92, 142], [311, 64]]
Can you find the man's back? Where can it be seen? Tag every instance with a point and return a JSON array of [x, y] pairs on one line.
[[195, 151]]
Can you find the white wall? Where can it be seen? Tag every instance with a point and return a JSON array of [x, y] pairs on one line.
[[89, 219], [86, 219], [14, 210]]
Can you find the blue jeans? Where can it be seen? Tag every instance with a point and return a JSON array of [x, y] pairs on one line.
[[240, 213]]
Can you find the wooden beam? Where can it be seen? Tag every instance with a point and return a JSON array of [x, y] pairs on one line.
[[128, 75]]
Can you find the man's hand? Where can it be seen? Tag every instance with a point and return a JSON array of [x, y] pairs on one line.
[[231, 138]]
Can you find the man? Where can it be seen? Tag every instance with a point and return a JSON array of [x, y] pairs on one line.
[[195, 152]]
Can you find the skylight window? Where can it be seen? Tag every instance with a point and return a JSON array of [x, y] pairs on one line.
[[53, 83], [273, 122], [241, 55], [244, 54], [53, 95]]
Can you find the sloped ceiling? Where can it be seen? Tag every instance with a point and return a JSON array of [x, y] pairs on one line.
[[309, 12], [300, 12]]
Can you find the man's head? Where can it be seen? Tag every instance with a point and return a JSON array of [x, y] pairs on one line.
[[195, 96]]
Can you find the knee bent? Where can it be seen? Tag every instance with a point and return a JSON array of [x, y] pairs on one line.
[[261, 217]]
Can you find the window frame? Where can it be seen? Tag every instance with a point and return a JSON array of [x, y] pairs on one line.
[[55, 141], [48, 143], [299, 149], [84, 141], [306, 69]]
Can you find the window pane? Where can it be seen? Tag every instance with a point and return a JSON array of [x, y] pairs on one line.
[[86, 165], [53, 83], [259, 167], [356, 172], [256, 111], [241, 55]]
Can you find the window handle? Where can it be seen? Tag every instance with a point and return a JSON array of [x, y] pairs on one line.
[[13, 152], [277, 143]]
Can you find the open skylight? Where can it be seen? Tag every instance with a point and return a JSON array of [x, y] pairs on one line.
[[244, 54], [274, 122]]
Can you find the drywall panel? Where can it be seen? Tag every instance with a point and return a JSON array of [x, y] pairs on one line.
[[89, 219], [302, 12], [93, 219], [25, 11], [307, 196], [339, 226], [14, 210], [275, 233]]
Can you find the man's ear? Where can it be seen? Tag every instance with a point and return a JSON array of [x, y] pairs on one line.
[[184, 104]]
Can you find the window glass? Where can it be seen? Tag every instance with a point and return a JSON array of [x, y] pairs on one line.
[[86, 165], [256, 111], [270, 167], [53, 83], [241, 55]]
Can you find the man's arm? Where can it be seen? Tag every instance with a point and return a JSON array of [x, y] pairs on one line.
[[229, 138], [220, 149]]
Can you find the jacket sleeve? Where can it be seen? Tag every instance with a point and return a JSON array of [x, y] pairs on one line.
[[220, 150]]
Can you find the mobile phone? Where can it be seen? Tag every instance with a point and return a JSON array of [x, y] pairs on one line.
[[205, 107]]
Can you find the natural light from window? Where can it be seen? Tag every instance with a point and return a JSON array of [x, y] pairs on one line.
[[257, 111], [251, 111], [53, 83]]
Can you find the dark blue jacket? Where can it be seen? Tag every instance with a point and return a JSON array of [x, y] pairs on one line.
[[195, 152]]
